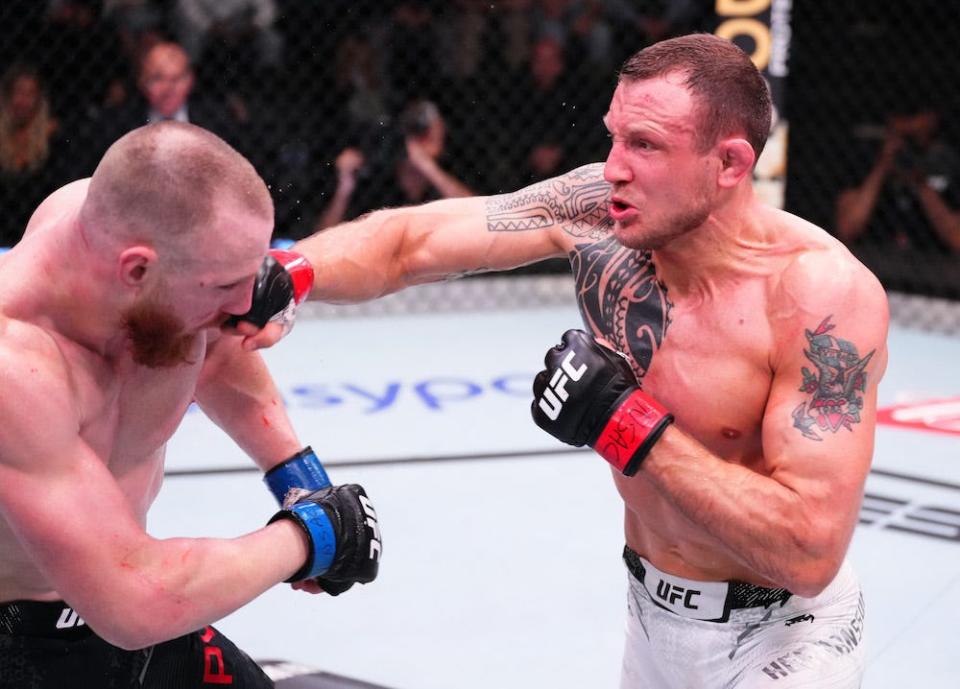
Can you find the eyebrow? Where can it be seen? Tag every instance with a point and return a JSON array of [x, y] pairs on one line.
[[236, 281]]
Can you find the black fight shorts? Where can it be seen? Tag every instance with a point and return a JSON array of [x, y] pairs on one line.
[[47, 646]]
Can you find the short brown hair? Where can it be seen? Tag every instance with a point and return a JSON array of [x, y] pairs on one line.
[[160, 183], [732, 96]]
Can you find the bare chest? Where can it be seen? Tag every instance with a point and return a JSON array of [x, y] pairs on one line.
[[707, 363], [129, 412]]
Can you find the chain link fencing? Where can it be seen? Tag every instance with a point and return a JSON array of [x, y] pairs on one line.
[[349, 106]]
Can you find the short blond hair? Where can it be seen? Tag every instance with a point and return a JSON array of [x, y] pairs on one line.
[[161, 184]]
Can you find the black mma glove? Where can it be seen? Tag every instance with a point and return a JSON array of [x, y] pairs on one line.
[[343, 535], [588, 395], [283, 282]]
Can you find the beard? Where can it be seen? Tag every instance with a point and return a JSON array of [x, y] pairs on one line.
[[665, 229], [157, 337]]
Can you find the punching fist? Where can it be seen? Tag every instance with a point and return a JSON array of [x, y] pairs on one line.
[[343, 537], [283, 282], [588, 395]]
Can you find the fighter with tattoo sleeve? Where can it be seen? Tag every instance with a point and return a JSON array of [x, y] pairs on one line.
[[728, 369]]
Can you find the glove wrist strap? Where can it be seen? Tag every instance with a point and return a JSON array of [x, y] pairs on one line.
[[303, 470], [632, 429], [321, 538]]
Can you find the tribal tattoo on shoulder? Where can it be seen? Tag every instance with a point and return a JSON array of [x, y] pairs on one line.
[[578, 201], [836, 385], [621, 299]]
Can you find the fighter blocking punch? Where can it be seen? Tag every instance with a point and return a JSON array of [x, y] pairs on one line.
[[588, 395], [340, 522]]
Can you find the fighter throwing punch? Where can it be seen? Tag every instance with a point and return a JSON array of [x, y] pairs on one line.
[[739, 413], [111, 315]]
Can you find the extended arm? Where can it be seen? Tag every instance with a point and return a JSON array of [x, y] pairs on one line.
[[388, 250]]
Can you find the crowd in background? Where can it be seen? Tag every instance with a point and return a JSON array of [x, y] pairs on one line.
[[346, 106], [342, 106]]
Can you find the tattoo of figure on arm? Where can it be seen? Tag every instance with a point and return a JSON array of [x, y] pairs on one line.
[[579, 201], [835, 385]]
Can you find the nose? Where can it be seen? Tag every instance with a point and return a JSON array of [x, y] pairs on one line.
[[241, 299], [615, 169]]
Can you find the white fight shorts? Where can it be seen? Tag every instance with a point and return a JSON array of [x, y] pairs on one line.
[[686, 634]]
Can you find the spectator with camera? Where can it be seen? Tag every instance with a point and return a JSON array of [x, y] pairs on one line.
[[909, 200], [415, 175]]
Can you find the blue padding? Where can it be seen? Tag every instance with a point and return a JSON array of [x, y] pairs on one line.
[[282, 243], [303, 470], [322, 537]]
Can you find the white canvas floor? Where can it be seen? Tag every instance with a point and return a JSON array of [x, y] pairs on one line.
[[501, 563]]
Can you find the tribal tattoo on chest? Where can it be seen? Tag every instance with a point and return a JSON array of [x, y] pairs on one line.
[[618, 293], [836, 385], [621, 299]]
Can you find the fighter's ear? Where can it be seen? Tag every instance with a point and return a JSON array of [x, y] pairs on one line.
[[134, 263], [736, 159]]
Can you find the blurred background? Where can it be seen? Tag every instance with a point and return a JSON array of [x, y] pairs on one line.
[[345, 106]]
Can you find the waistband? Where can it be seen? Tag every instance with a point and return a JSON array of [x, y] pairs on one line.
[[52, 620], [710, 601]]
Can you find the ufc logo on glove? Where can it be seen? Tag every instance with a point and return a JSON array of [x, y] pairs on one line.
[[556, 393], [587, 394]]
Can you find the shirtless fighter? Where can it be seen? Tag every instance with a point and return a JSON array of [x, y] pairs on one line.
[[739, 410], [110, 315]]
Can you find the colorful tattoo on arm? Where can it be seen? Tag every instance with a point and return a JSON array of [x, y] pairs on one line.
[[578, 201], [836, 385]]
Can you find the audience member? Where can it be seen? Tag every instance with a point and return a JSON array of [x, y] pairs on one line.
[[414, 176], [564, 132], [909, 200], [166, 92], [30, 149]]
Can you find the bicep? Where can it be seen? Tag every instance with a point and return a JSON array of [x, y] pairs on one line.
[[540, 221], [453, 237], [71, 517], [57, 496], [818, 427]]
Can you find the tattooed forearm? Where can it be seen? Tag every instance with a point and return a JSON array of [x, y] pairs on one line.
[[835, 386], [577, 201]]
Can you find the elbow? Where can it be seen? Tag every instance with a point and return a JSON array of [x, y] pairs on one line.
[[813, 578], [817, 556], [135, 622], [133, 632], [128, 639]]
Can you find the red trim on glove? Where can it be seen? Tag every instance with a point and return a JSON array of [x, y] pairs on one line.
[[301, 272], [631, 431]]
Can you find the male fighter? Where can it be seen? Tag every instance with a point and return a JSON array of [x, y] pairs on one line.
[[110, 315], [739, 410]]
